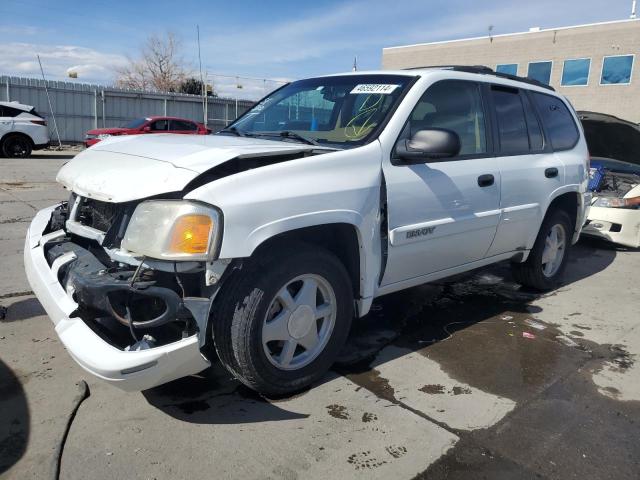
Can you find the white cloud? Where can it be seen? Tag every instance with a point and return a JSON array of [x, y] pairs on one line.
[[57, 60]]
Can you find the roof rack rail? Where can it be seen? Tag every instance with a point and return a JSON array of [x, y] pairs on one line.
[[484, 70]]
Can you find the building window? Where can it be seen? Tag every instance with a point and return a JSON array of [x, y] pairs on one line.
[[617, 70], [540, 71], [508, 68], [575, 72]]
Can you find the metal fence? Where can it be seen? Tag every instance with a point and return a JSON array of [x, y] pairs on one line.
[[79, 107]]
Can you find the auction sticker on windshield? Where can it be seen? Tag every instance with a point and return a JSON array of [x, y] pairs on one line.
[[379, 88]]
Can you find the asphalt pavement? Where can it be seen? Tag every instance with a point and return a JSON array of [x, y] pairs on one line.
[[469, 378]]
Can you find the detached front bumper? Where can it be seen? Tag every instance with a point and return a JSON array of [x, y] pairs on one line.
[[128, 370]]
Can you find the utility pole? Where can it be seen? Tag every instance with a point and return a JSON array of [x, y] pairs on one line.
[[53, 116], [204, 88]]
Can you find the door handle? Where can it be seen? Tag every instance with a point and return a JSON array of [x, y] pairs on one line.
[[485, 180], [551, 172]]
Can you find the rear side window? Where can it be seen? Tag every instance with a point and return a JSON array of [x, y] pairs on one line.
[[9, 112], [557, 120], [512, 126], [182, 125], [536, 139]]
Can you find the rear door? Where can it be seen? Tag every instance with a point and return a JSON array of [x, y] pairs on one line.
[[6, 120], [530, 170], [442, 214]]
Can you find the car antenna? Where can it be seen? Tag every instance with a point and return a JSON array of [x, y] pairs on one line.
[[53, 115]]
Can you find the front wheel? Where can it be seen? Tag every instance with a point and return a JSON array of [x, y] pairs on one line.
[[549, 256], [280, 323]]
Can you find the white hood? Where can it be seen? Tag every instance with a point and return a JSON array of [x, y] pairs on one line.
[[131, 167]]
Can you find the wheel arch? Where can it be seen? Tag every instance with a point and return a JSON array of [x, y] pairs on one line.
[[16, 134], [343, 239]]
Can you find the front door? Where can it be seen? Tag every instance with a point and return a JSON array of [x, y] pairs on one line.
[[443, 214]]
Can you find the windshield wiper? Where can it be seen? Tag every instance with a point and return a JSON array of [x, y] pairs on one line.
[[297, 136], [234, 130]]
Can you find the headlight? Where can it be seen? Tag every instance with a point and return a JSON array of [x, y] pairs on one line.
[[173, 230], [610, 202], [102, 136]]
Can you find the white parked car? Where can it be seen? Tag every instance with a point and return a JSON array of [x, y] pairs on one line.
[[266, 239], [22, 130], [614, 145]]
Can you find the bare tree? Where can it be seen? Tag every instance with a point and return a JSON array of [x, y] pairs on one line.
[[160, 66]]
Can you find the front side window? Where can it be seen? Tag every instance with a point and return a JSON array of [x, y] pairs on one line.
[[508, 68], [160, 126], [575, 72], [557, 120], [540, 71], [341, 111], [512, 126], [453, 105], [617, 70]]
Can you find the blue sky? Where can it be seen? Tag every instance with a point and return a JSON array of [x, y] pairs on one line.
[[274, 39]]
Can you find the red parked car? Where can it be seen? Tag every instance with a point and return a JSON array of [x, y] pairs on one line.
[[148, 125]]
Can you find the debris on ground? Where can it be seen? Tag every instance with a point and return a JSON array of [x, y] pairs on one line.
[[566, 341], [528, 335], [534, 324]]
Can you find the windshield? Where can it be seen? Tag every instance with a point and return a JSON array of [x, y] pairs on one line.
[[342, 111], [137, 123]]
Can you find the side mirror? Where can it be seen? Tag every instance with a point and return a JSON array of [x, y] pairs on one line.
[[146, 129], [430, 144]]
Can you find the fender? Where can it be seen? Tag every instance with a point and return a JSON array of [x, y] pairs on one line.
[[580, 207]]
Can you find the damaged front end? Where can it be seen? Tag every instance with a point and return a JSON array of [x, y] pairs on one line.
[[129, 319], [615, 209]]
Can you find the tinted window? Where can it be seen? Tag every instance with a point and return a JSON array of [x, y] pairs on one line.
[[617, 69], [536, 139], [512, 126], [575, 72], [540, 71], [183, 125], [509, 68], [558, 122], [456, 106], [160, 125], [9, 112]]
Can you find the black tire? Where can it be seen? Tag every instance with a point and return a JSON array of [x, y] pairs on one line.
[[531, 273], [241, 307], [16, 146]]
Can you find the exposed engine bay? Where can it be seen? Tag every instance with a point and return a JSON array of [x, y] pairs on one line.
[[131, 307]]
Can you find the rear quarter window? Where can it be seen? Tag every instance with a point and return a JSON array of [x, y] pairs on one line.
[[558, 123]]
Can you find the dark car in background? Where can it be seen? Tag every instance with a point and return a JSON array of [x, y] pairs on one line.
[[148, 125]]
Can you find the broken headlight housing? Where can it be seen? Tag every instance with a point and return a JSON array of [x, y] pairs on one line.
[[174, 230]]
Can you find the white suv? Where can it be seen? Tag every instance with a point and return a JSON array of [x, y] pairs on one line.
[[22, 130], [266, 239]]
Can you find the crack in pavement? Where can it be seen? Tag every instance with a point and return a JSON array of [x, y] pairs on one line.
[[24, 293], [81, 396]]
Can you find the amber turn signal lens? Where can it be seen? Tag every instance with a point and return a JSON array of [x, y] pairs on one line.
[[191, 234]]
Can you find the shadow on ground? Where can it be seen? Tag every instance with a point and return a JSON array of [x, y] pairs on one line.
[[14, 419], [420, 319]]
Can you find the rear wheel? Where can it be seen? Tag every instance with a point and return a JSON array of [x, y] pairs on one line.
[[16, 146], [279, 324], [548, 258]]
